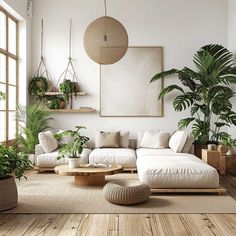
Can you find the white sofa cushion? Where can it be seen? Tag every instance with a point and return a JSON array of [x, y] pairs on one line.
[[124, 139], [178, 140], [123, 156], [47, 141], [49, 160], [155, 140], [163, 168]]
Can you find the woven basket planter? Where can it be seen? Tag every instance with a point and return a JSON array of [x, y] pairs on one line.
[[8, 194], [126, 192]]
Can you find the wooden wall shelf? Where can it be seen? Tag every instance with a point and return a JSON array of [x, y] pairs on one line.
[[82, 110], [59, 93]]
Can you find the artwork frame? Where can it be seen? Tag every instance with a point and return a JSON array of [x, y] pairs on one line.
[[158, 68]]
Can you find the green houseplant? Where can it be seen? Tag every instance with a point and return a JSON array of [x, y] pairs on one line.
[[228, 141], [33, 119], [38, 86], [12, 164], [68, 88], [72, 150], [56, 103], [206, 92]]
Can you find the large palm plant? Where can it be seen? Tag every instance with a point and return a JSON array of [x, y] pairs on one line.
[[207, 94], [33, 119]]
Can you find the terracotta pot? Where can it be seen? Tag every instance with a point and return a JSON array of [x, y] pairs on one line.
[[8, 194], [62, 104]]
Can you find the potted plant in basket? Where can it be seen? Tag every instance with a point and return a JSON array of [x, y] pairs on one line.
[[12, 164], [38, 86], [56, 103], [228, 141], [206, 92], [73, 150], [68, 88]]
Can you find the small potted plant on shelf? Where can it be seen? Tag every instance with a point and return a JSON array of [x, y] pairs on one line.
[[12, 164], [56, 103], [38, 86], [68, 88], [73, 150]]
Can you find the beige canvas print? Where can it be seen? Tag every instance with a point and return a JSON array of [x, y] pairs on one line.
[[125, 85]]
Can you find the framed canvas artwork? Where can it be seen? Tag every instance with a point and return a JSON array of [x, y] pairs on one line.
[[125, 86]]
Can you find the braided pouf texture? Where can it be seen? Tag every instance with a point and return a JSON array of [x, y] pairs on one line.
[[126, 192]]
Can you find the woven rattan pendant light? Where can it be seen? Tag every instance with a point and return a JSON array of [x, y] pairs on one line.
[[106, 40]]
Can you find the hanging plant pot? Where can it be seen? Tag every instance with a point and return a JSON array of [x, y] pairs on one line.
[[8, 193], [68, 88], [38, 86]]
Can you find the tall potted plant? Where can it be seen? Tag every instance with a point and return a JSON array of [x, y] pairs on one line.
[[33, 119], [206, 92], [72, 150], [12, 164]]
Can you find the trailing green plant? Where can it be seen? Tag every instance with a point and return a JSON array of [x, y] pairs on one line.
[[55, 103], [74, 149], [12, 163], [208, 93], [68, 88], [38, 86], [33, 119]]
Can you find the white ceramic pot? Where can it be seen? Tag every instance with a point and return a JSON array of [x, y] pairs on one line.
[[74, 162]]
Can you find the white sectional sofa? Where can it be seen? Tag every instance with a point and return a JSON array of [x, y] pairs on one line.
[[163, 168]]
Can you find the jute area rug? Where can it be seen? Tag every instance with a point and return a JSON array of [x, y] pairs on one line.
[[51, 193]]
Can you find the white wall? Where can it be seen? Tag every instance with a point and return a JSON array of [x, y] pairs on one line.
[[181, 27], [232, 45], [18, 9]]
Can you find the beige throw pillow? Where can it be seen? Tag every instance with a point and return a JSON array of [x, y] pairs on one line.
[[124, 139], [178, 140], [109, 139], [188, 144]]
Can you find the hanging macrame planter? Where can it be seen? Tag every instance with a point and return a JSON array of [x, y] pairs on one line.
[[41, 82], [68, 82]]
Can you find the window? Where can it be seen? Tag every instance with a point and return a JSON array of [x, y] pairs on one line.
[[8, 76]]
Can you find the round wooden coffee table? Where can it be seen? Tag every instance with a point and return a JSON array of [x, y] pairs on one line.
[[85, 176]]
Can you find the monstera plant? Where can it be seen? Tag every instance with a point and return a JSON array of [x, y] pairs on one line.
[[206, 92]]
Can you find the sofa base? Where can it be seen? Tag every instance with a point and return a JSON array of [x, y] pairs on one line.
[[51, 169], [219, 190]]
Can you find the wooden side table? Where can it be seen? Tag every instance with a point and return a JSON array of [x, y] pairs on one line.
[[217, 160]]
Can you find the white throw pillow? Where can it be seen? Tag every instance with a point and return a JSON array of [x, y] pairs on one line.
[[178, 140], [124, 139], [47, 141], [155, 140], [140, 134]]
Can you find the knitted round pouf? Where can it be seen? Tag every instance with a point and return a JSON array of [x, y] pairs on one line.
[[126, 192]]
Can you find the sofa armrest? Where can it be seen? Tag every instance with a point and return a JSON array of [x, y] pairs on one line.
[[38, 150]]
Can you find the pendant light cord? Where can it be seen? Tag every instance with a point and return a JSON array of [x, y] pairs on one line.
[[105, 7]]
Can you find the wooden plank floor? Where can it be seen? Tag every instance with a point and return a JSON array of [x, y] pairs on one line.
[[122, 224]]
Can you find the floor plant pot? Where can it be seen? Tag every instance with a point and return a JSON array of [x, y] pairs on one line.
[[198, 150], [8, 194], [74, 162]]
